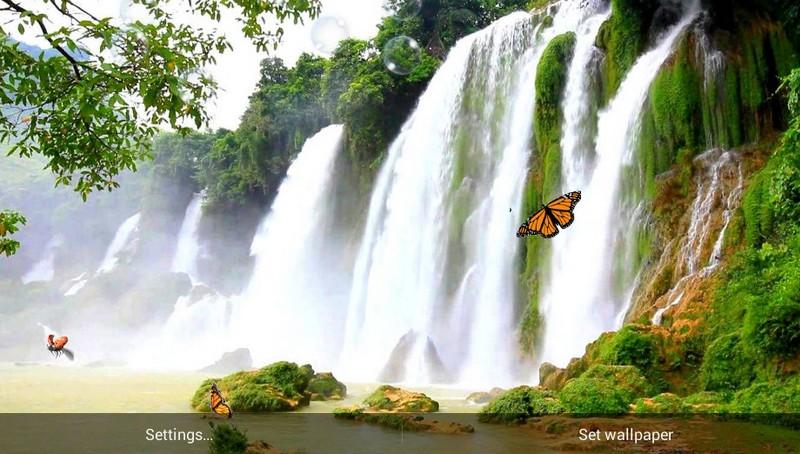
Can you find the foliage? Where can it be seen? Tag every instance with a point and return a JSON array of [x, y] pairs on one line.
[[604, 390], [93, 106], [628, 346], [9, 224], [768, 397], [727, 365], [520, 403], [226, 439], [324, 386], [661, 403]]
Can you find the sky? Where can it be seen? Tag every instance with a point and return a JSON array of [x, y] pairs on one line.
[[237, 71]]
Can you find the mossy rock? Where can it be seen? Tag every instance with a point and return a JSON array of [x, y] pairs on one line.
[[393, 399], [280, 386], [604, 389], [706, 402], [520, 403], [662, 403], [324, 386]]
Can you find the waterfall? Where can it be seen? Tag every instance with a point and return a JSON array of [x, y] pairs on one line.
[[718, 188], [576, 314], [293, 304], [437, 258], [44, 269], [120, 242], [185, 259]]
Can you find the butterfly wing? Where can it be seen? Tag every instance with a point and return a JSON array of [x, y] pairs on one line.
[[562, 208], [533, 225], [218, 403], [60, 342]]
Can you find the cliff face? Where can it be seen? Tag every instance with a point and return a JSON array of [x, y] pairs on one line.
[[714, 301]]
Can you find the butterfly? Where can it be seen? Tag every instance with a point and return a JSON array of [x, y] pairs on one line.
[[557, 213], [56, 346], [218, 403]]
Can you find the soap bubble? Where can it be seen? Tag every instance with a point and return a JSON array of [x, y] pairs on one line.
[[401, 55], [327, 31], [403, 9]]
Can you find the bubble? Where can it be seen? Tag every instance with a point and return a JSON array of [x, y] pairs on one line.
[[401, 55], [403, 9], [464, 20], [327, 31]]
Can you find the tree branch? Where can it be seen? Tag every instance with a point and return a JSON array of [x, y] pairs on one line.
[[43, 27]]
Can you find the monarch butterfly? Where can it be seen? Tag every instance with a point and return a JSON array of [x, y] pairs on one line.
[[557, 213], [56, 346], [218, 403]]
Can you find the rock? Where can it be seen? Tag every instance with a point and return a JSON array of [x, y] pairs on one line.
[[391, 399], [552, 377], [324, 386], [482, 397], [238, 359], [280, 386], [405, 422], [395, 369]]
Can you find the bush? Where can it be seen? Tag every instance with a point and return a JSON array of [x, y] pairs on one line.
[[662, 403], [768, 397], [774, 328], [604, 389], [288, 377], [226, 439], [726, 365], [629, 347], [520, 403]]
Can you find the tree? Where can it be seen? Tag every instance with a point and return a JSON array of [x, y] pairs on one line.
[[9, 224], [93, 106]]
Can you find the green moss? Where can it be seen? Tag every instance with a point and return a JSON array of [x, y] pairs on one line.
[[726, 365], [520, 403], [629, 346], [662, 403], [623, 37], [324, 386], [769, 397], [277, 387], [773, 327], [604, 390], [551, 77], [390, 398]]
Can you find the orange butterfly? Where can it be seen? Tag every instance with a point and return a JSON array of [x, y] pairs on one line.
[[218, 403], [557, 213]]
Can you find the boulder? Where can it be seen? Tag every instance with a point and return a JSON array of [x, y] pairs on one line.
[[392, 399], [280, 386], [482, 397], [395, 369], [324, 386], [238, 359]]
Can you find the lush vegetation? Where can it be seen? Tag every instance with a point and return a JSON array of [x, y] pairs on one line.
[[92, 104]]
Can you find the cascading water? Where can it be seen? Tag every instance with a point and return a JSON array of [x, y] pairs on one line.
[[436, 264], [719, 187], [289, 308], [294, 304], [185, 259], [44, 269], [576, 314], [120, 242]]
